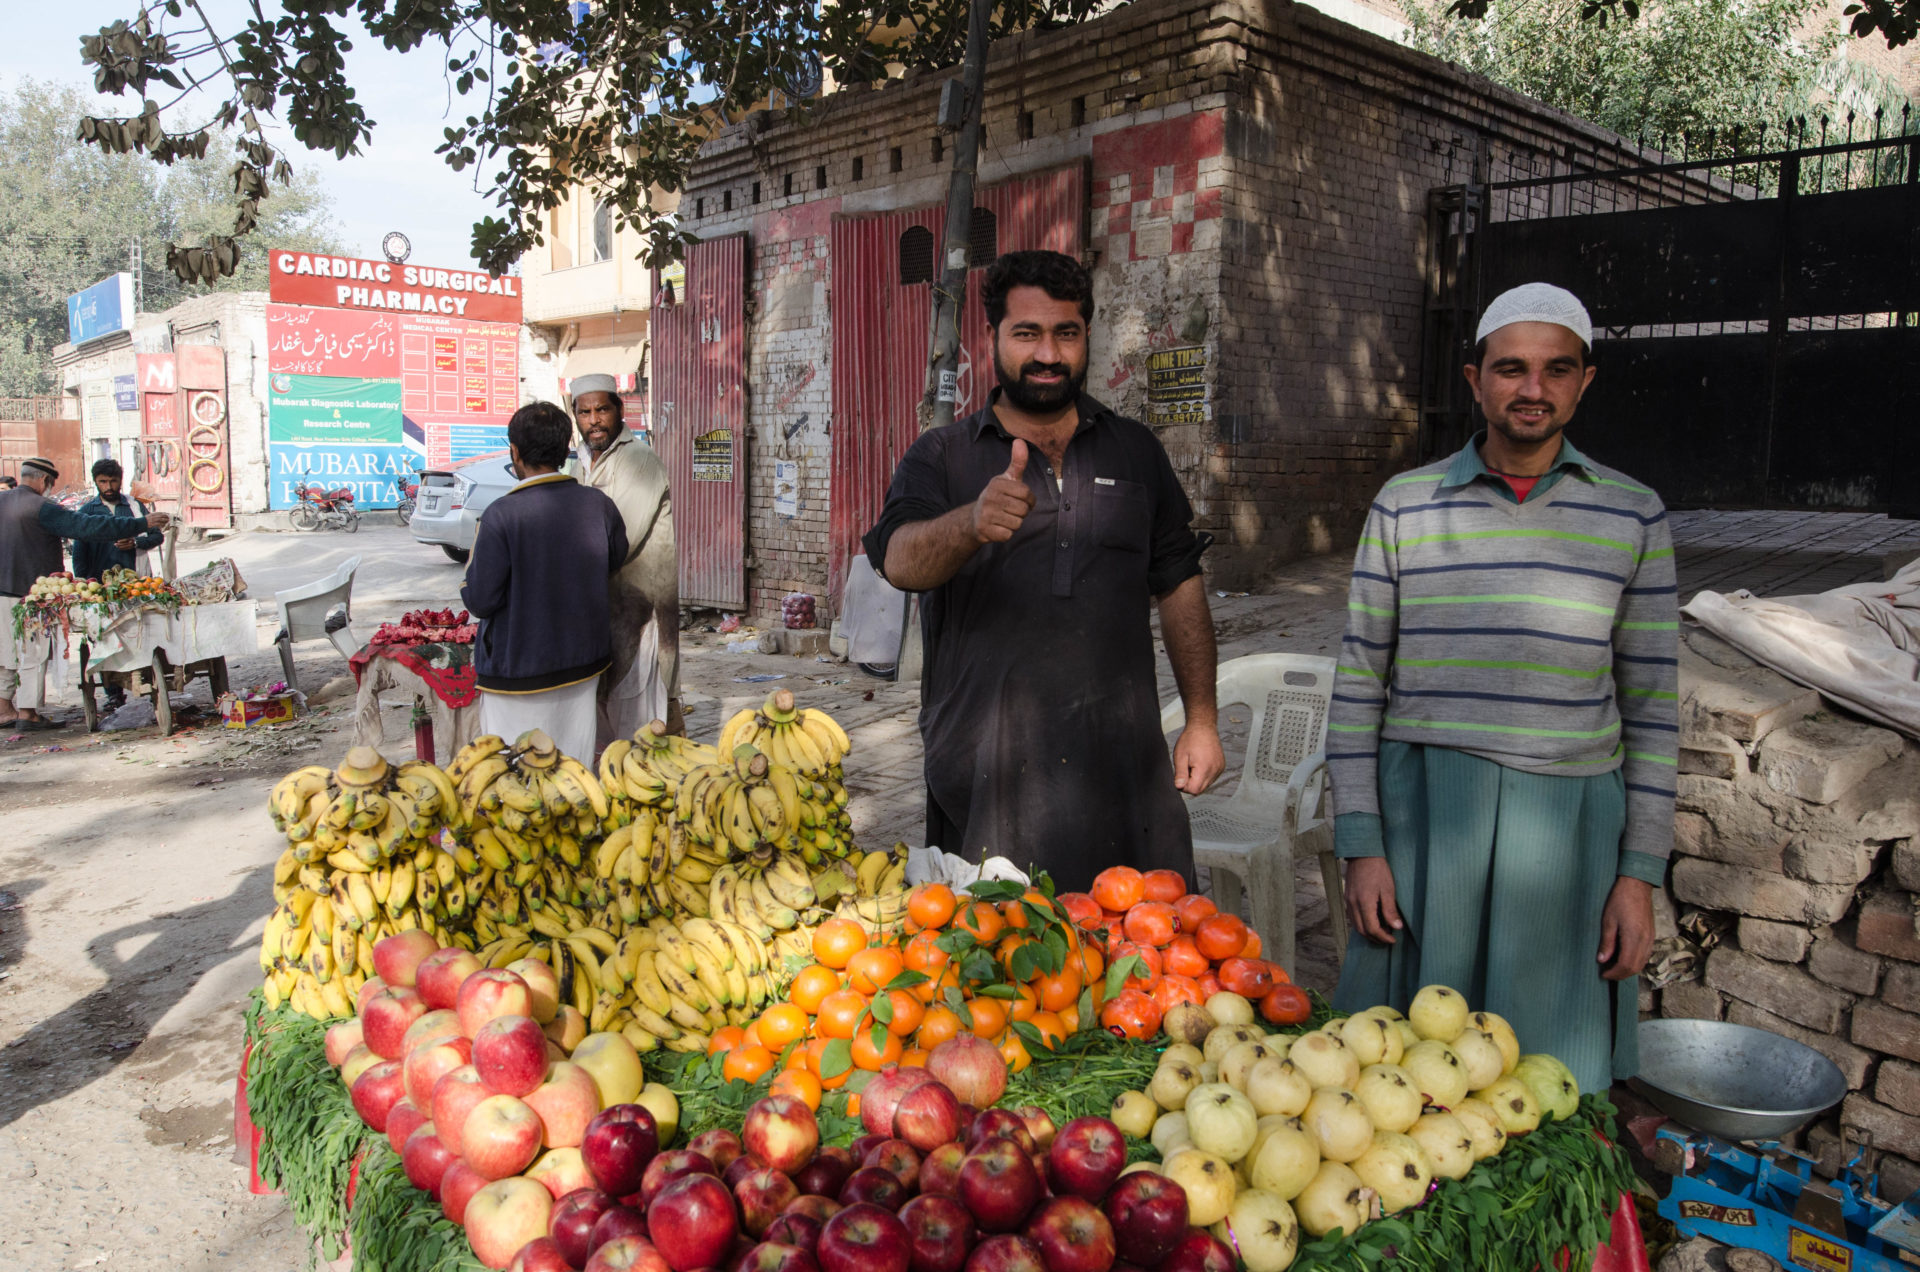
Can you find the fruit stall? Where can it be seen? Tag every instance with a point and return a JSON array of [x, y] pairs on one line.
[[664, 1013]]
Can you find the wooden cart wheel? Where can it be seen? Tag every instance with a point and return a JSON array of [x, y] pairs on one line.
[[162, 697]]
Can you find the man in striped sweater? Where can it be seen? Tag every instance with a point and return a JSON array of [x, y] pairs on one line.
[[1503, 733]]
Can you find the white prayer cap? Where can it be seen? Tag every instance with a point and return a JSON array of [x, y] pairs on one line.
[[593, 384], [1537, 302]]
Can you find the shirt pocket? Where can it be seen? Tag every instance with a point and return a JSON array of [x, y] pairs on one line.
[[1122, 516]]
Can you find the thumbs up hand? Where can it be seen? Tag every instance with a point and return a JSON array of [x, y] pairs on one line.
[[1004, 504]]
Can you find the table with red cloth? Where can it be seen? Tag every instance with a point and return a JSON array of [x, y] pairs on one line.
[[440, 676]]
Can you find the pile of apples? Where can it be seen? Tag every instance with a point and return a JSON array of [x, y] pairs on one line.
[[1334, 1127]]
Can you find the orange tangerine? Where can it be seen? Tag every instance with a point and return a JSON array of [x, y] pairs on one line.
[[813, 984], [840, 1014], [871, 970], [923, 954], [725, 1039], [908, 1012], [981, 919], [1056, 992], [913, 1058], [871, 1058], [781, 1024], [989, 1017], [800, 1084], [1014, 1051], [939, 1024], [853, 1103], [797, 1058], [747, 1063], [750, 1035], [1051, 1027], [931, 905], [1023, 1007], [836, 941], [816, 1050]]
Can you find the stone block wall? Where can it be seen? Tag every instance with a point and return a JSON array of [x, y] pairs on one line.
[[1795, 873]]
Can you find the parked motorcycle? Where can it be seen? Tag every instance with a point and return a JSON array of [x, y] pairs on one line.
[[409, 491], [323, 509]]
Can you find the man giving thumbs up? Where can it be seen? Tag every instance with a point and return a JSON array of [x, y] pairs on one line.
[[1041, 529]]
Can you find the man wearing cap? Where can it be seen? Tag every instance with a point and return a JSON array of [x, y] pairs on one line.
[[1503, 733], [31, 527], [643, 683]]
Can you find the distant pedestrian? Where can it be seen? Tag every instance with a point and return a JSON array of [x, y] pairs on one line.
[[31, 527], [91, 560], [537, 581]]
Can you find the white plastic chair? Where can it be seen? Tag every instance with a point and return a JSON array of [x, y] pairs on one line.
[[304, 611], [1251, 838]]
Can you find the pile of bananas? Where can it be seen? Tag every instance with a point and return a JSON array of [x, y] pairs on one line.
[[811, 745]]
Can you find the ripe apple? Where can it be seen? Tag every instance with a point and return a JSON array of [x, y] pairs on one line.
[[457, 1187], [897, 1157], [999, 1185], [543, 983], [941, 1230], [617, 1145], [621, 1221], [345, 1036], [505, 1215], [566, 1102], [882, 1095], [500, 1137], [864, 1238], [763, 1193], [691, 1221], [1087, 1155], [873, 1186], [426, 1064], [940, 1169], [1072, 1235], [430, 1027], [738, 1169], [511, 1054], [561, 1170], [1006, 1253], [1039, 1125], [373, 985], [440, 973], [1148, 1212], [385, 1018], [721, 1146], [782, 1132], [376, 1091], [614, 1065], [968, 1112], [667, 1167], [815, 1207], [998, 1123], [402, 1118], [926, 1116], [567, 1030], [796, 1229], [455, 1096], [774, 1256], [572, 1222], [1198, 1252], [542, 1254], [355, 1063], [427, 1159], [490, 992], [398, 957], [627, 1254]]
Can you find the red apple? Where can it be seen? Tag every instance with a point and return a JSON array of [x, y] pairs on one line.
[[488, 993], [542, 1254], [864, 1238], [926, 1117], [618, 1144], [897, 1157], [505, 1215], [455, 1096], [402, 1119], [795, 1229], [883, 1094], [667, 1167], [567, 1101], [543, 982], [438, 977], [1087, 1156], [815, 1207], [863, 1145], [1039, 1125], [627, 1254], [433, 1025], [1006, 1254], [997, 1123], [999, 1185], [940, 1169], [342, 1038], [738, 1169], [873, 1186], [511, 1054], [368, 988], [561, 1170], [781, 1131], [762, 1195], [398, 957], [721, 1146], [1198, 1251], [824, 1176], [972, 1068], [355, 1063], [691, 1221], [773, 1256], [1072, 1235], [621, 1221], [457, 1187], [572, 1222], [1149, 1216], [427, 1159], [426, 1064], [501, 1137], [567, 1030], [967, 1114], [376, 1091], [385, 1019], [942, 1233]]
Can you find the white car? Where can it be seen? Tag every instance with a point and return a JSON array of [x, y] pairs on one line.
[[451, 500]]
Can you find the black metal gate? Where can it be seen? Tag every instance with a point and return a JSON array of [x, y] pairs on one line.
[[1755, 316]]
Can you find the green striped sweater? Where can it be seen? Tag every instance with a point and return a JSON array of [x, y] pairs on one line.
[[1541, 635]]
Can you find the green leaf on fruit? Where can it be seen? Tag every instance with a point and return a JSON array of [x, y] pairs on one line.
[[1122, 969], [907, 980], [1031, 1035], [958, 941], [835, 1059], [883, 1009], [997, 991], [959, 1006], [877, 1037], [996, 889]]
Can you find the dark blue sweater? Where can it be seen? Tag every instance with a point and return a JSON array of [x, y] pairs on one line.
[[92, 559], [537, 582]]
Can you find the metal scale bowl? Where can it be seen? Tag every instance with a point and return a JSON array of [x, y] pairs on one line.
[[1733, 1081]]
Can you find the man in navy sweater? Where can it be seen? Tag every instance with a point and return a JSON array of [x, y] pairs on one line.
[[537, 581]]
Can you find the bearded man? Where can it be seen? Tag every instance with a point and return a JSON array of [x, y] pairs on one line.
[[1042, 530], [643, 684]]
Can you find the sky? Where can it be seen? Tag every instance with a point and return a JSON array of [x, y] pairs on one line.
[[397, 183]]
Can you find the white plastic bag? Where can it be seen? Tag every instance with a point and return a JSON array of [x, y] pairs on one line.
[[930, 865]]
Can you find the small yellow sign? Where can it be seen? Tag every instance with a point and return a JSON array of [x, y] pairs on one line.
[[1820, 1253]]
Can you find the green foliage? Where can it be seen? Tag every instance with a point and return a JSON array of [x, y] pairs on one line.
[[1680, 67], [68, 212]]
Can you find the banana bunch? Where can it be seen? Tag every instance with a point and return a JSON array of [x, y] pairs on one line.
[[809, 742], [528, 789], [366, 810], [649, 770]]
